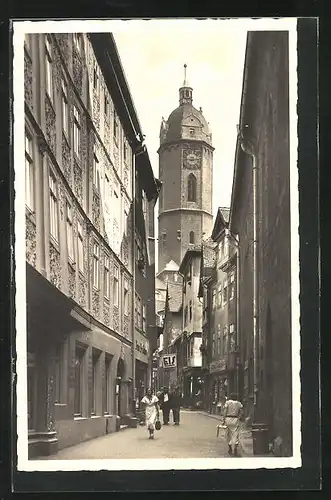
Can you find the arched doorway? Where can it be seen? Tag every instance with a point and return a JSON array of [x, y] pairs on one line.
[[119, 378]]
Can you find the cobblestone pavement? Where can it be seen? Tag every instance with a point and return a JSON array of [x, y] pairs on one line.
[[195, 437]]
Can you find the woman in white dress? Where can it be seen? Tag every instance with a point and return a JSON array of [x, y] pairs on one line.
[[231, 418], [151, 405]]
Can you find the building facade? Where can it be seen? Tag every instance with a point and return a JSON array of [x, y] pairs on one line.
[[220, 312], [82, 136], [185, 170], [190, 356], [260, 215]]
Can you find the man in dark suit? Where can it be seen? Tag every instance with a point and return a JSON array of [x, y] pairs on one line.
[[165, 405], [176, 401]]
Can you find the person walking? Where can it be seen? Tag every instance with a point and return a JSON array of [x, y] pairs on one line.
[[232, 415], [151, 404], [165, 404], [176, 404]]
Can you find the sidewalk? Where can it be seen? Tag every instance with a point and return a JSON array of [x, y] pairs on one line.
[[246, 439]]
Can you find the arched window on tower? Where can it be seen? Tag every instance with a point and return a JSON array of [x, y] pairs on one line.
[[191, 237], [192, 188]]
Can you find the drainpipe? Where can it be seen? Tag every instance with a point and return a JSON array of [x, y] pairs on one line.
[[133, 263], [249, 149]]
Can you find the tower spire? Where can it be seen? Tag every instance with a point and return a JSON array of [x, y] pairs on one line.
[[185, 92], [185, 82]]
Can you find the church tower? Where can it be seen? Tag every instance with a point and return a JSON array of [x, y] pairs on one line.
[[186, 173]]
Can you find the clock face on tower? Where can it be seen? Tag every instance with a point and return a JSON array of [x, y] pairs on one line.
[[191, 158]]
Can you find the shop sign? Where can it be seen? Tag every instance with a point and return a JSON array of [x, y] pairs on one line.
[[169, 360], [218, 366]]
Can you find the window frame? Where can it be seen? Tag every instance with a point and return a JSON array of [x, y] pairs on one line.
[[49, 87], [53, 206], [64, 106], [96, 265], [116, 286], [106, 277], [70, 232], [80, 247], [191, 188], [96, 171], [81, 370], [76, 130], [29, 167]]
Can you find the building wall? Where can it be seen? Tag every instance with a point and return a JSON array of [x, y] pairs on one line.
[[74, 185], [268, 120], [79, 229]]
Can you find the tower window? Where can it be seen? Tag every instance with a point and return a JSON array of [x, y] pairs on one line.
[[191, 237], [192, 188], [191, 131]]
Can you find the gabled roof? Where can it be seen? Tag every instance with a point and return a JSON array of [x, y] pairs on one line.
[[221, 221], [171, 266], [193, 250]]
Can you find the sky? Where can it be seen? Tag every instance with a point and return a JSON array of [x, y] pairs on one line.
[[153, 54]]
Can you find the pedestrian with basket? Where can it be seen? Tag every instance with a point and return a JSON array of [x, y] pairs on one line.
[[151, 404]]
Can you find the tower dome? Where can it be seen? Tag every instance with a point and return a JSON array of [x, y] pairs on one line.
[[186, 122]]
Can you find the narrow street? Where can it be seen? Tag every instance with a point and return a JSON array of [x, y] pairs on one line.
[[194, 438]]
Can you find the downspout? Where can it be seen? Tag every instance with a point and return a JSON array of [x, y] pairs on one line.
[[249, 149], [238, 308], [133, 263]]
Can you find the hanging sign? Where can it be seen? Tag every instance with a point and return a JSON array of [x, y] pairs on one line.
[[169, 361]]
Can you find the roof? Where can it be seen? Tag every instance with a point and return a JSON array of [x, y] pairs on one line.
[[175, 295], [180, 115], [190, 252], [221, 221], [209, 254]]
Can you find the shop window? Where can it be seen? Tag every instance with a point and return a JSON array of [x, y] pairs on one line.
[[79, 380], [94, 381], [106, 386]]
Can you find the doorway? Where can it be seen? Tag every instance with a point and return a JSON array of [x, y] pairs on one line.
[[119, 378]]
